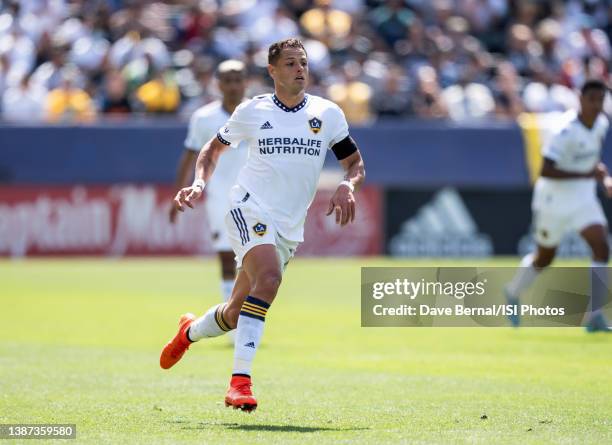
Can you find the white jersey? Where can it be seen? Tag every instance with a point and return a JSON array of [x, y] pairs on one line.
[[576, 149], [287, 148], [203, 126], [564, 205]]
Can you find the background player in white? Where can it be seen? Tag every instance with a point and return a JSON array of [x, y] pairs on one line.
[[204, 124], [289, 133], [565, 199]]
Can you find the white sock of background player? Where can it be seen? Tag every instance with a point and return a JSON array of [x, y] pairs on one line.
[[599, 287], [523, 278]]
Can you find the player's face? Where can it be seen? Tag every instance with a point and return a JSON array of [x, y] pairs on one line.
[[592, 102], [232, 85], [290, 72]]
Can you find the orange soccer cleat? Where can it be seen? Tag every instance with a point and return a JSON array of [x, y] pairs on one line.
[[175, 348], [239, 394]]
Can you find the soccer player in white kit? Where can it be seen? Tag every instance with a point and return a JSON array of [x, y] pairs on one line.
[[204, 124], [564, 199], [289, 133]]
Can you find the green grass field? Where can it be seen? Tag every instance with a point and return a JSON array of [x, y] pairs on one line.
[[80, 342]]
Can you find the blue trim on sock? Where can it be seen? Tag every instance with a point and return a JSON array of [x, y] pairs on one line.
[[257, 302]]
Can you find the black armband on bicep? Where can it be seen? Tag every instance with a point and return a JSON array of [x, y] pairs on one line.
[[344, 148]]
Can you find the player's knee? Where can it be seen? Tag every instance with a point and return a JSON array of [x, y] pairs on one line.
[[542, 261], [601, 252], [267, 283]]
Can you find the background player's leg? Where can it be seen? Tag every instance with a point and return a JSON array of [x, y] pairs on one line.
[[228, 276], [221, 318], [544, 257], [531, 265], [262, 265], [549, 226], [228, 273], [596, 236]]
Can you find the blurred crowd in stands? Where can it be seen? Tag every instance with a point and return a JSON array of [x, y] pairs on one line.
[[80, 60]]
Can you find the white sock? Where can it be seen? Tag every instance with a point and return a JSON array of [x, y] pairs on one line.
[[227, 286], [599, 286], [248, 334], [523, 278], [211, 324]]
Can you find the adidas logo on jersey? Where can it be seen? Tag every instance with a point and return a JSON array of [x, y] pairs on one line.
[[266, 126], [250, 345]]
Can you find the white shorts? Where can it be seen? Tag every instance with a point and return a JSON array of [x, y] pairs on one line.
[[249, 226], [559, 208], [217, 206]]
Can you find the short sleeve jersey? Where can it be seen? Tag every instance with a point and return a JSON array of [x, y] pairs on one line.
[[203, 126], [287, 149], [576, 148]]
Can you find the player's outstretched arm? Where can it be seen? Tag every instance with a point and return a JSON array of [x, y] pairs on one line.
[[205, 166], [600, 173], [550, 170], [343, 200]]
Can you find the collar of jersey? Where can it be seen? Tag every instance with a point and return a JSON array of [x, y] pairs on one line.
[[284, 107], [581, 124]]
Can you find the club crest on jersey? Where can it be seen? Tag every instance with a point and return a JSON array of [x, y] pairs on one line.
[[315, 125], [260, 229]]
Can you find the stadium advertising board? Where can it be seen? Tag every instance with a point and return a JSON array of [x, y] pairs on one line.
[[465, 222], [133, 220]]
